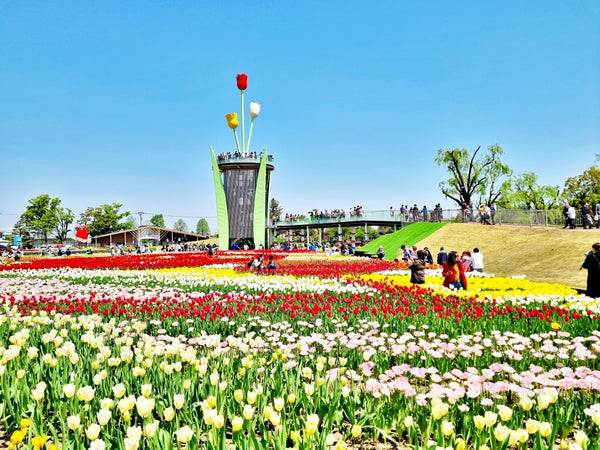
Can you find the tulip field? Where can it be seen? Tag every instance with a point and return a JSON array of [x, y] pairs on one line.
[[186, 350]]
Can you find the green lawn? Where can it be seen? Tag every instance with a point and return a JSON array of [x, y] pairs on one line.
[[408, 235]]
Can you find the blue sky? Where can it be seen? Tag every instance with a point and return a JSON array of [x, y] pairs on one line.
[[119, 102]]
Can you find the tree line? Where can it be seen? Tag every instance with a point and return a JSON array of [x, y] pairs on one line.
[[46, 217], [480, 177]]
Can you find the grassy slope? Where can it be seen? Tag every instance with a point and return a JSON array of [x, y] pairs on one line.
[[543, 254], [408, 235]]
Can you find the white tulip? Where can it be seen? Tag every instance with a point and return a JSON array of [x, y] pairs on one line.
[[254, 109]]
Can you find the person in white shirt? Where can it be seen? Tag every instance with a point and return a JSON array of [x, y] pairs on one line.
[[477, 260]]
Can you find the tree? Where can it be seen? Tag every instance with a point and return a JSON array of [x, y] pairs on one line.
[[129, 223], [105, 219], [471, 174], [20, 229], [180, 225], [158, 220], [528, 194], [64, 218], [584, 187], [40, 215], [202, 227], [275, 209]]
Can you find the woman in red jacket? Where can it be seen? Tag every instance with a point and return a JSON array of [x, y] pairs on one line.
[[453, 272]]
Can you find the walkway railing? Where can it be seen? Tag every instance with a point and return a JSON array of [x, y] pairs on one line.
[[529, 217]]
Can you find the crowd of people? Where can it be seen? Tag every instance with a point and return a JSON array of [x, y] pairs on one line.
[[485, 214], [222, 157], [454, 267], [416, 214], [10, 254], [316, 215], [587, 219], [257, 265]]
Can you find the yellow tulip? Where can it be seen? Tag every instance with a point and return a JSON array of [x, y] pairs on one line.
[[85, 393], [267, 410], [73, 422], [184, 434], [275, 418], [150, 429], [525, 402], [479, 422], [248, 412], [295, 436], [236, 423], [505, 412], [178, 400], [278, 403], [545, 429], [252, 397], [439, 409], [312, 423], [356, 430], [501, 433], [232, 120], [119, 390], [447, 428], [169, 413], [39, 441], [532, 426], [103, 416], [309, 389], [490, 418], [18, 436], [92, 431], [144, 406], [211, 401], [522, 435], [341, 445], [238, 395]]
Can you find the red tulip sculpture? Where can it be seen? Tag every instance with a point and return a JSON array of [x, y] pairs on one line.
[[232, 118]]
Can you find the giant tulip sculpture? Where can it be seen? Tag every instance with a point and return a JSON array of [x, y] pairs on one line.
[[253, 111], [242, 84], [232, 122]]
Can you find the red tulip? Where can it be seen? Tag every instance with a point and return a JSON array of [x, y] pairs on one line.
[[242, 81]]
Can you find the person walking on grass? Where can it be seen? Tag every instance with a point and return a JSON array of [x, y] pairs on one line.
[[571, 217], [592, 264]]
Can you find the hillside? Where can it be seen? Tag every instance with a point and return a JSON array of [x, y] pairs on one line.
[[542, 254], [408, 235]]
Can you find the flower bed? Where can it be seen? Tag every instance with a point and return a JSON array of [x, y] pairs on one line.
[[160, 351]]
